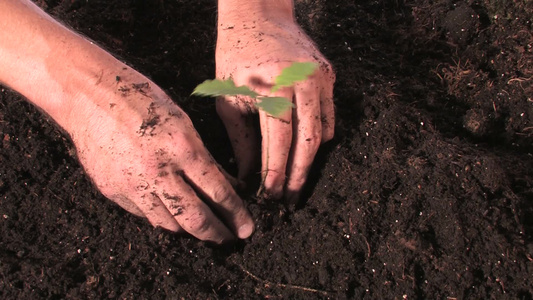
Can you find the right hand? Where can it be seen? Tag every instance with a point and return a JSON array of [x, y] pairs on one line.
[[142, 152], [252, 53]]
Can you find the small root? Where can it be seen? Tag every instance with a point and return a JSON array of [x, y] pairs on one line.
[[267, 284], [519, 79], [367, 246]]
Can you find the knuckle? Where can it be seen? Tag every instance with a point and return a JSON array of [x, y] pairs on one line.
[[227, 198], [314, 141], [183, 138], [191, 154], [198, 223], [222, 195], [312, 136], [296, 184]]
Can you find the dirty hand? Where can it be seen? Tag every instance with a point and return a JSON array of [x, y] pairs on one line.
[[142, 152], [252, 49], [139, 148]]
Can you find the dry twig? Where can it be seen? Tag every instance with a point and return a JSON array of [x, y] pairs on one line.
[[267, 283]]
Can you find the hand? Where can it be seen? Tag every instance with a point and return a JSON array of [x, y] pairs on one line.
[[253, 53], [142, 152], [139, 148]]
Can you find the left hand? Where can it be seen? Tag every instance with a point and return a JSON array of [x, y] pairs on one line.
[[253, 54]]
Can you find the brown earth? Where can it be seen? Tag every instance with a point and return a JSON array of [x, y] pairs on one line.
[[425, 193]]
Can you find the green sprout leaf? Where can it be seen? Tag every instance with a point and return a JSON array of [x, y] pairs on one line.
[[298, 71], [274, 106], [216, 87]]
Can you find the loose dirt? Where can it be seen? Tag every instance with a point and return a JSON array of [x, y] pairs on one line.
[[426, 192]]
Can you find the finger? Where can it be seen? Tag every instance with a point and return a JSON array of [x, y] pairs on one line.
[[327, 106], [210, 181], [127, 204], [156, 212], [307, 136], [276, 145], [236, 114], [191, 213], [237, 184]]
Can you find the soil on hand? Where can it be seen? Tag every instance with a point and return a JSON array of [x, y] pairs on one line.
[[426, 192]]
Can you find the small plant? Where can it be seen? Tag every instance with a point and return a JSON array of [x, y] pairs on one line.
[[274, 106]]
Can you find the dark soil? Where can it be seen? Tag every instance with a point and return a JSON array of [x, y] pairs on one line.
[[425, 193]]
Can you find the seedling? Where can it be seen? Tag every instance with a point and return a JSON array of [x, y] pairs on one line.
[[274, 106]]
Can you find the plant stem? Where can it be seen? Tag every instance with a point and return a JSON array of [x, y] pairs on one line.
[[265, 173]]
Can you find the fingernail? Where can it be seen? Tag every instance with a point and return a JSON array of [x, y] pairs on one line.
[[245, 231]]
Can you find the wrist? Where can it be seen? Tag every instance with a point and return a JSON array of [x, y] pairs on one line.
[[53, 67], [234, 11], [76, 80]]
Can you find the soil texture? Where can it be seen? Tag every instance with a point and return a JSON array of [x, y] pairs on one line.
[[426, 192]]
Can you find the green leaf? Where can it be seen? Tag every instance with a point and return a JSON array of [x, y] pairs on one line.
[[216, 87], [298, 71], [274, 106]]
